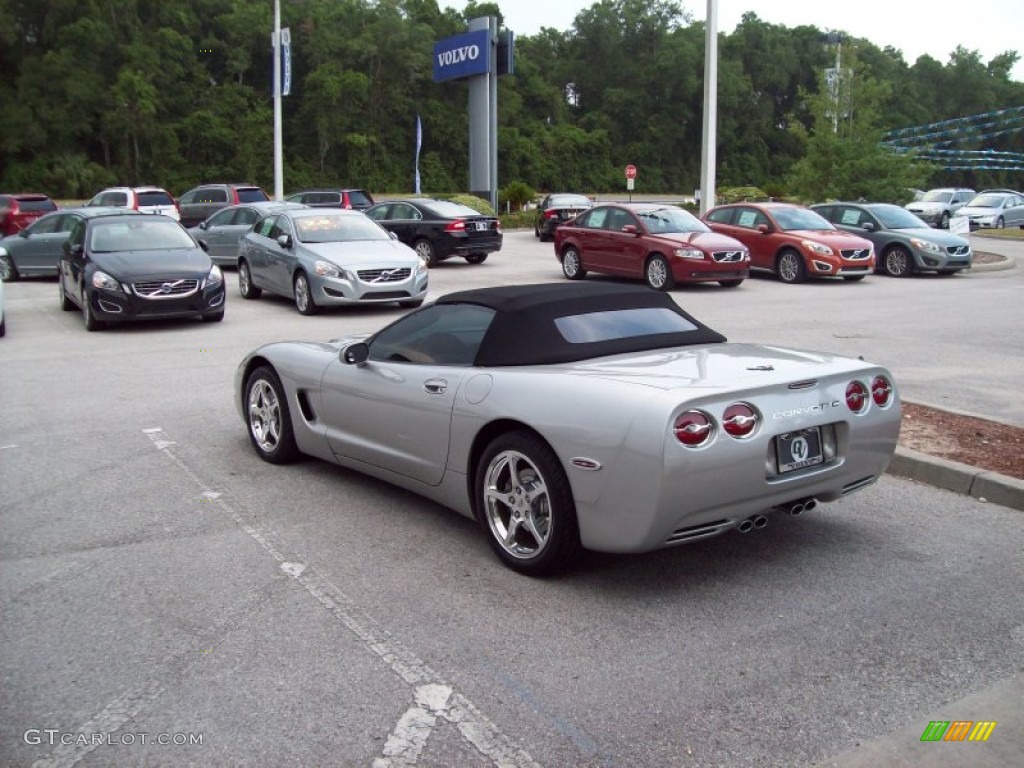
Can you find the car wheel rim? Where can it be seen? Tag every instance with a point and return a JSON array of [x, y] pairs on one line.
[[243, 280], [656, 273], [264, 416], [571, 263], [423, 249], [301, 294], [788, 268], [5, 268], [896, 263], [517, 505]]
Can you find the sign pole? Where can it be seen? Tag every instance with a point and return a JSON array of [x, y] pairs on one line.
[[278, 140]]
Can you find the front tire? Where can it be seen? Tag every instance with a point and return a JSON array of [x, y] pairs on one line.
[[426, 251], [476, 258], [944, 221], [572, 264], [65, 303], [268, 417], [525, 505], [658, 274], [790, 267], [304, 295], [898, 262], [1000, 224], [730, 283], [245, 286], [91, 323], [8, 272]]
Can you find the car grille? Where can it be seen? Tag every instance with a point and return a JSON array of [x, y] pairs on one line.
[[165, 289], [727, 256], [958, 250], [856, 254], [384, 275]]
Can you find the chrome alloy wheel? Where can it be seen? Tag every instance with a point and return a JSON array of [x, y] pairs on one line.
[[517, 505], [657, 273], [265, 422], [789, 267]]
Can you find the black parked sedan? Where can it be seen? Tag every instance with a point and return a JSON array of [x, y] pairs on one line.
[[440, 229], [556, 209], [137, 267]]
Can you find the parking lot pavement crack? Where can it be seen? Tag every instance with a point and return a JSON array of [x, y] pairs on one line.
[[434, 697]]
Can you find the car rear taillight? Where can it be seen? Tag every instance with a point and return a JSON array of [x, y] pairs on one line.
[[693, 428], [234, 194], [497, 226], [740, 420], [550, 214], [135, 202], [881, 391], [455, 226], [856, 396]]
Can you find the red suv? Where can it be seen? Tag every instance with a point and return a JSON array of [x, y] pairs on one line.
[[794, 242], [661, 244], [18, 211]]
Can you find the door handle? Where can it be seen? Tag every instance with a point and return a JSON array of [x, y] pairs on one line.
[[435, 386]]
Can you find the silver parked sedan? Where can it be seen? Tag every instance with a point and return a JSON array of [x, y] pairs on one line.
[[994, 210], [327, 257], [566, 416], [223, 229]]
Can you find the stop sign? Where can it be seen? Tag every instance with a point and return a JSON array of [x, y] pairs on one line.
[[630, 171]]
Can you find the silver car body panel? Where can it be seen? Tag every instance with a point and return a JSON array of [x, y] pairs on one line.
[[388, 421]]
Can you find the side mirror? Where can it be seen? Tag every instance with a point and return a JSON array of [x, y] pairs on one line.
[[203, 244], [23, 233], [393, 235], [202, 225], [869, 226], [764, 229], [356, 354], [631, 229], [71, 250], [285, 241]]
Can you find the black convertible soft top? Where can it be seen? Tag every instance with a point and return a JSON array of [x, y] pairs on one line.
[[524, 330]]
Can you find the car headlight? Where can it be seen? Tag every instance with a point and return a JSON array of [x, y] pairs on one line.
[[689, 253], [326, 269], [814, 247], [3, 252], [422, 268], [925, 245], [216, 277], [104, 281]]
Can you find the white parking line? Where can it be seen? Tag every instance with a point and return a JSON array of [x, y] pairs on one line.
[[433, 696]]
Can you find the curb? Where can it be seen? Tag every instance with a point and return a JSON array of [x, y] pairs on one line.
[[1008, 262], [980, 484]]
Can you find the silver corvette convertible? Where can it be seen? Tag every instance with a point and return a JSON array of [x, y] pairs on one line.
[[565, 417]]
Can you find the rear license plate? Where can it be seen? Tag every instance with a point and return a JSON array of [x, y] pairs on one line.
[[482, 226], [796, 450]]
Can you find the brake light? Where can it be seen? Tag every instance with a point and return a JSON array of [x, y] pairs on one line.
[[459, 225], [693, 428], [135, 201], [856, 396], [550, 214], [234, 193], [740, 420], [881, 391]]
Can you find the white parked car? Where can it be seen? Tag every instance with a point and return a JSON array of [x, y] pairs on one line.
[[142, 199]]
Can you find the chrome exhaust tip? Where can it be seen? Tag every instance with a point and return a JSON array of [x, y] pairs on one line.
[[810, 504], [746, 526], [797, 509], [760, 522]]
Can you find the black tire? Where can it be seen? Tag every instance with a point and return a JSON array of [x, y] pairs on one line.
[[512, 520], [898, 262], [410, 303], [658, 273], [476, 258], [731, 283], [3, 326], [426, 249], [944, 221], [1000, 223], [536, 231], [213, 317], [91, 323], [8, 272], [572, 264], [245, 286], [65, 303], [948, 272], [853, 278], [303, 294], [789, 267], [268, 418]]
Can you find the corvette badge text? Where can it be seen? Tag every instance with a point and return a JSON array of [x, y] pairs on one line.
[[53, 737], [816, 408]]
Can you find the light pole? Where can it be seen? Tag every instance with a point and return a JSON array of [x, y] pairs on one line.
[[278, 140], [707, 158]]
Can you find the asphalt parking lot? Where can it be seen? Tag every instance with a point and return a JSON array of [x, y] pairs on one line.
[[158, 580]]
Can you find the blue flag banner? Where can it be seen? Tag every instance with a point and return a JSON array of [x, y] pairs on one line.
[[419, 143]]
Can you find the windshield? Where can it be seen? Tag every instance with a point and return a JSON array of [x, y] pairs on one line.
[[338, 228], [142, 233], [666, 220], [894, 217], [937, 196], [987, 201], [789, 219]]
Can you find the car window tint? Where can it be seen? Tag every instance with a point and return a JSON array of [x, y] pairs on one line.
[[358, 197], [189, 197], [245, 216], [595, 219], [44, 226], [266, 226], [251, 195], [749, 218], [449, 210], [221, 218], [404, 211], [849, 216], [67, 222], [567, 201], [36, 204], [621, 324], [77, 236], [118, 199], [448, 334], [295, 198], [721, 216], [158, 197]]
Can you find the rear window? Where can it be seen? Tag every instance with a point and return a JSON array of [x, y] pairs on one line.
[[158, 197], [358, 197], [251, 195], [621, 324], [449, 210], [36, 204]]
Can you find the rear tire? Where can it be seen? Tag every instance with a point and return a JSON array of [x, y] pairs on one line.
[[426, 250], [476, 258], [730, 283], [789, 267], [245, 286]]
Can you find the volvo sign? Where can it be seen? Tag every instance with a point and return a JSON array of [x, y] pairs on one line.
[[462, 56]]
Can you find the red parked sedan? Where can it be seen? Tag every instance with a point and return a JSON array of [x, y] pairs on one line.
[[794, 242], [662, 244]]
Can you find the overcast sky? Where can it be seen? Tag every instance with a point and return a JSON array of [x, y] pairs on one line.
[[915, 27]]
